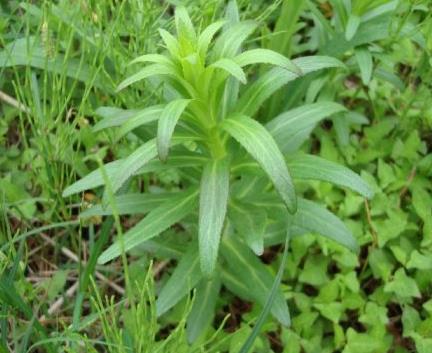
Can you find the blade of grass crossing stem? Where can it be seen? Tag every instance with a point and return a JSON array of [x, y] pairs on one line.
[[90, 269], [213, 206], [266, 310]]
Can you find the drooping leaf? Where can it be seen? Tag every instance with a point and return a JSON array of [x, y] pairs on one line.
[[142, 117], [305, 166], [266, 56], [184, 278], [167, 122], [157, 221], [365, 63], [113, 117], [316, 219], [213, 204], [290, 129], [203, 309], [248, 277], [148, 71], [231, 67], [261, 146], [129, 204], [274, 79]]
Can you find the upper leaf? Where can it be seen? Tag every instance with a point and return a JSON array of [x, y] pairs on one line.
[[260, 144]]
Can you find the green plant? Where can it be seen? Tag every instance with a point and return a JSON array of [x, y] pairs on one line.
[[237, 172]]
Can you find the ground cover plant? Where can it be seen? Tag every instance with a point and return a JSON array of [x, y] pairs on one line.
[[215, 140]]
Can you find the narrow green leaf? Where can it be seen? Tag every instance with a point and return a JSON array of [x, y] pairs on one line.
[[167, 122], [260, 144], [184, 278], [305, 166], [129, 204], [231, 67], [253, 278], [113, 117], [184, 25], [316, 219], [256, 94], [227, 45], [266, 56], [133, 163], [250, 222], [352, 26], [365, 63], [148, 71], [157, 221], [291, 128], [206, 37], [170, 42], [213, 204], [142, 117], [203, 309], [152, 58], [269, 302]]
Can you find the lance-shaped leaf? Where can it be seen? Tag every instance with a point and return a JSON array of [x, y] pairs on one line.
[[266, 56], [157, 221], [227, 45], [148, 71], [291, 128], [142, 117], [250, 222], [170, 42], [365, 63], [261, 146], [167, 122], [213, 204], [274, 79], [152, 58], [231, 67], [316, 219], [206, 37], [203, 309], [306, 166], [129, 204], [113, 117], [249, 278], [352, 26], [184, 25], [184, 278], [133, 163]]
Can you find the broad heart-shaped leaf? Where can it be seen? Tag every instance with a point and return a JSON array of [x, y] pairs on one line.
[[365, 63], [202, 312], [95, 178], [290, 129], [157, 221], [148, 71], [167, 122], [274, 79], [306, 166], [129, 204], [228, 44], [261, 146], [250, 222], [185, 276], [314, 218], [266, 56], [213, 204], [231, 67], [249, 278]]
